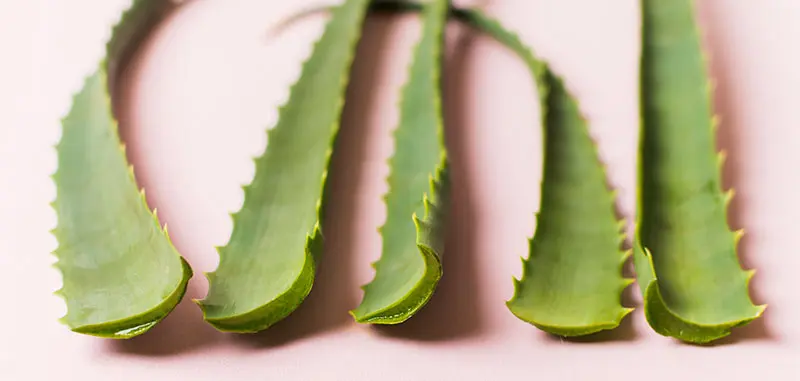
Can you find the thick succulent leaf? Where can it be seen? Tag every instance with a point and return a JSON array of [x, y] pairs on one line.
[[410, 267], [120, 271], [687, 267], [572, 280], [267, 268]]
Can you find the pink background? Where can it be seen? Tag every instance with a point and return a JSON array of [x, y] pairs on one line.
[[201, 94]]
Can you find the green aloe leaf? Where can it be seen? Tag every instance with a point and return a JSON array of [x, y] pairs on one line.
[[267, 268], [572, 281], [410, 266], [686, 262], [121, 273]]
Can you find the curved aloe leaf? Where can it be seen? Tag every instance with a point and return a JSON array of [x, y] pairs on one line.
[[121, 273], [694, 288], [572, 281], [410, 265], [267, 268]]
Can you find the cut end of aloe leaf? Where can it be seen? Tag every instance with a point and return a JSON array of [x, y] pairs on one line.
[[406, 281], [686, 254], [138, 324], [671, 323], [667, 323], [571, 319], [228, 318], [411, 302], [558, 327]]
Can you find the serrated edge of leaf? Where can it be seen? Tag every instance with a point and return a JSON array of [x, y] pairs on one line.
[[429, 280], [725, 329], [406, 308], [314, 240], [121, 328], [625, 255]]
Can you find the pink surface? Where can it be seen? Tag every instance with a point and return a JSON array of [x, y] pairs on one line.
[[194, 112]]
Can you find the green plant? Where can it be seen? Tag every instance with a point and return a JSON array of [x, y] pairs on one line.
[[121, 273], [685, 254], [572, 281], [268, 266], [410, 265]]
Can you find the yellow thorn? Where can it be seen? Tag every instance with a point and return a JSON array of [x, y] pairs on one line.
[[729, 196], [722, 156], [715, 122], [737, 236]]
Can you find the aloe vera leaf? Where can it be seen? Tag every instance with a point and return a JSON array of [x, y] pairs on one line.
[[572, 280], [685, 254], [267, 268], [121, 274], [409, 269]]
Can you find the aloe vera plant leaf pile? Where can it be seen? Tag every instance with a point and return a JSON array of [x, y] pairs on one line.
[[694, 288], [122, 275], [410, 265]]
